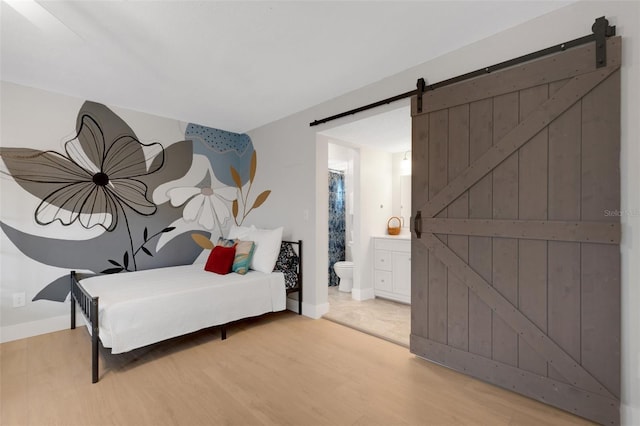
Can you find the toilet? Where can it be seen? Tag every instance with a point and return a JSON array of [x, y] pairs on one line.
[[344, 271]]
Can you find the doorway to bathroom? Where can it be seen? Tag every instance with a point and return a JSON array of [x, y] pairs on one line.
[[368, 183]]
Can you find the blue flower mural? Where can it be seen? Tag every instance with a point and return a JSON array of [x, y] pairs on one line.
[[217, 187], [234, 163]]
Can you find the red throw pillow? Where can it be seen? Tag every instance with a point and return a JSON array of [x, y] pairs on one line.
[[220, 260]]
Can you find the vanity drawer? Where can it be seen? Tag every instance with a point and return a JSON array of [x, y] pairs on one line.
[[393, 245], [382, 260], [383, 280], [392, 268]]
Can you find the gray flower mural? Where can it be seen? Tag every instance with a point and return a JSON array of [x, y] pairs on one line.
[[94, 182]]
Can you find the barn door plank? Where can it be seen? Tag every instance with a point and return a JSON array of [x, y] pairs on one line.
[[600, 313], [575, 373], [457, 292], [505, 250], [419, 254], [480, 204], [562, 100], [438, 151], [532, 254], [563, 285]]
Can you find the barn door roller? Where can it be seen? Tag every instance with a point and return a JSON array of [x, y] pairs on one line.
[[600, 31], [421, 87]]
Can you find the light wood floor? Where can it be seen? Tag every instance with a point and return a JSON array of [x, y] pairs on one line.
[[279, 369]]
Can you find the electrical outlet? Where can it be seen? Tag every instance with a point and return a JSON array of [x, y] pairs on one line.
[[19, 299]]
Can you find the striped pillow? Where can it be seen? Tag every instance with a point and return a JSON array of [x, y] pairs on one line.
[[226, 243], [244, 254]]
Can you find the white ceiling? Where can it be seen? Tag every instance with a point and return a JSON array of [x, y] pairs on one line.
[[234, 65], [388, 131]]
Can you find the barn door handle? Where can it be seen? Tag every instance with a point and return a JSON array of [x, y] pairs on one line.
[[417, 224], [421, 87]]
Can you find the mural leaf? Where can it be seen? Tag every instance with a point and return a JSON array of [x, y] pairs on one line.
[[112, 270], [145, 234], [234, 208], [24, 163], [261, 199], [236, 177], [254, 165], [125, 259], [113, 262], [202, 241], [146, 250], [56, 291], [168, 229]]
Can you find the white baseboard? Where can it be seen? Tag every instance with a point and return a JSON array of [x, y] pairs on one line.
[[308, 310], [362, 293], [630, 415], [315, 311], [35, 328]]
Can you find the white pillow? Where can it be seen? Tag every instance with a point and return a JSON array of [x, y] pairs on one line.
[[268, 243], [239, 232]]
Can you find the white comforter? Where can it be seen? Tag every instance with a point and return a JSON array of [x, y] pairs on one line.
[[144, 307]]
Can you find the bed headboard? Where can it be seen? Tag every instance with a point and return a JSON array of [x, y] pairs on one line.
[[290, 263]]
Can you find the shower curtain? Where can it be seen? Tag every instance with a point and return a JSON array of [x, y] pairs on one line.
[[336, 223]]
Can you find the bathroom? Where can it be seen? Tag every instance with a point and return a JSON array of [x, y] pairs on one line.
[[369, 191]]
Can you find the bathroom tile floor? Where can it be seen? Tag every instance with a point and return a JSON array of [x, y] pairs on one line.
[[379, 317]]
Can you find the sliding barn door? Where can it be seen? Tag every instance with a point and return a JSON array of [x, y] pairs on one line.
[[516, 273]]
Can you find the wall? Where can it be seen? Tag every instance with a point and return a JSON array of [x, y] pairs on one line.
[[401, 188], [294, 135], [165, 184], [375, 209]]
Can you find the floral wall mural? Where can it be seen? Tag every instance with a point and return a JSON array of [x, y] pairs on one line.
[[222, 172], [156, 203]]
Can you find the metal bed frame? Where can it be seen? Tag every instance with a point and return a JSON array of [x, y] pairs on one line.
[[89, 307]]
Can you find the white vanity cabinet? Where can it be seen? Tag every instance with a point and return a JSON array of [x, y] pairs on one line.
[[392, 268]]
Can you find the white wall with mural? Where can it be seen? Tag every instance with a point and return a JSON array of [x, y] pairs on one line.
[[297, 168], [105, 191]]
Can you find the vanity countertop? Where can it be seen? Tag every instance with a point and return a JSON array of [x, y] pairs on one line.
[[401, 236]]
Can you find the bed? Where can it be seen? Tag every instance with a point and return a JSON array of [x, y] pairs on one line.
[[130, 310]]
